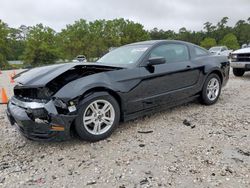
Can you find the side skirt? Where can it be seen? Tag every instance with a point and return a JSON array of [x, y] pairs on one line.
[[128, 117]]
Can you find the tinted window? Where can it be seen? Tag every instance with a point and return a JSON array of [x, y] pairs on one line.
[[171, 52], [199, 51]]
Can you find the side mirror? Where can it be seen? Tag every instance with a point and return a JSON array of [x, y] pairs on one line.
[[156, 61]]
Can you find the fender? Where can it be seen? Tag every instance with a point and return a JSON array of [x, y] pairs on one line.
[[80, 86], [221, 71], [109, 80], [208, 71], [94, 95]]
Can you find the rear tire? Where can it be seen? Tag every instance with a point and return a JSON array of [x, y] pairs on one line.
[[97, 118], [211, 89], [238, 72]]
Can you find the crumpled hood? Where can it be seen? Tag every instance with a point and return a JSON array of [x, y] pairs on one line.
[[42, 75], [242, 51]]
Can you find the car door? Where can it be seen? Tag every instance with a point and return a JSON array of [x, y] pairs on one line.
[[171, 81]]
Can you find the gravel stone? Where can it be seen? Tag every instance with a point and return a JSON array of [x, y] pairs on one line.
[[215, 153]]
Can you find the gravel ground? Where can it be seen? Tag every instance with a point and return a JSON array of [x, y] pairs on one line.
[[213, 151]]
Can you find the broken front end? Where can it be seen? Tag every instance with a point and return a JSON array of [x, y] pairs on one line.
[[40, 119], [34, 108]]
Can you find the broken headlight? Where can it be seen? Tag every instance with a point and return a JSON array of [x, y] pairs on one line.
[[44, 93]]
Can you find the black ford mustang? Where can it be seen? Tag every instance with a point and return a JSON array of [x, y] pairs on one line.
[[133, 80]]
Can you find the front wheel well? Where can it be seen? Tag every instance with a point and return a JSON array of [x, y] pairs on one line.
[[101, 89], [98, 89]]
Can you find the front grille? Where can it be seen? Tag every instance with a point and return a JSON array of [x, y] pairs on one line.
[[243, 57], [33, 93]]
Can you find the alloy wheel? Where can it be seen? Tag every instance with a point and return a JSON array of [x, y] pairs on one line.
[[99, 117], [213, 89]]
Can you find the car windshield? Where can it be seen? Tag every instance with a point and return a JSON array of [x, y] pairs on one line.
[[124, 55], [215, 49]]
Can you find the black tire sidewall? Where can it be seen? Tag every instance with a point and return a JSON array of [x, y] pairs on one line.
[[238, 72], [204, 96], [79, 126]]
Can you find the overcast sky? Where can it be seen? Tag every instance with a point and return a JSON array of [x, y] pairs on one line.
[[164, 14]]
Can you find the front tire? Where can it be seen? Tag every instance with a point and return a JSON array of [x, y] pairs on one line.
[[97, 118], [238, 72], [211, 89]]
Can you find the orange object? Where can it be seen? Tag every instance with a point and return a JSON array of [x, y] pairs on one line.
[[57, 128], [4, 96]]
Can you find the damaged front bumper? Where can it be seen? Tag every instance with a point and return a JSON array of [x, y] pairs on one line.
[[39, 121]]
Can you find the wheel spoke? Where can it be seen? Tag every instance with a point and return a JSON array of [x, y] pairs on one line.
[[94, 107], [213, 81], [106, 108], [213, 94], [210, 95], [88, 119], [97, 127], [107, 120], [216, 85]]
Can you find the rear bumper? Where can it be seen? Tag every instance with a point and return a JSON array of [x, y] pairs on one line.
[[57, 127], [225, 73]]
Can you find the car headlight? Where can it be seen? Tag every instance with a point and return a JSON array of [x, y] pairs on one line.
[[234, 56]]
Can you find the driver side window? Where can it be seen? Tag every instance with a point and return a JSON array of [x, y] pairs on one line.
[[171, 52]]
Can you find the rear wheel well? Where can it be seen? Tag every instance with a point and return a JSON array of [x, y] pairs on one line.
[[217, 72]]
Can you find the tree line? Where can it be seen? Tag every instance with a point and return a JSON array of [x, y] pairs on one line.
[[38, 45]]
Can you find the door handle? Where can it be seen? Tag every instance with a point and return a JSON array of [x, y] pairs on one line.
[[188, 67]]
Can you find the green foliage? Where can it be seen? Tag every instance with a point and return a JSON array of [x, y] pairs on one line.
[[208, 43], [16, 44], [218, 31], [161, 34], [41, 46], [4, 46], [230, 40], [93, 39], [242, 31]]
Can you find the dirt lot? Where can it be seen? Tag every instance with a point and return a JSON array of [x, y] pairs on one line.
[[214, 151]]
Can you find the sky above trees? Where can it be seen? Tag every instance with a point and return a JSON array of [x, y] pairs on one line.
[[163, 14]]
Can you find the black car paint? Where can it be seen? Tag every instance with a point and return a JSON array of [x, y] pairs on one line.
[[139, 89], [40, 130]]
